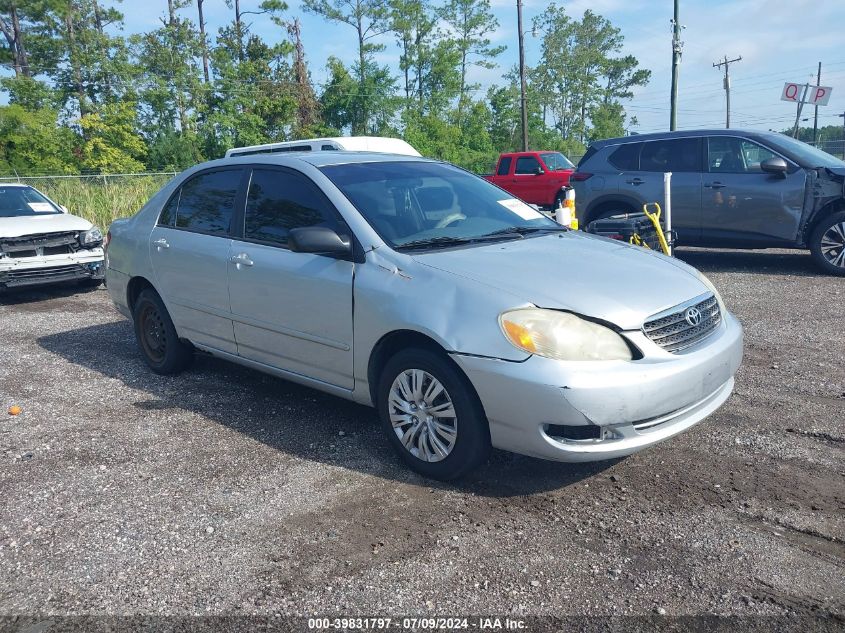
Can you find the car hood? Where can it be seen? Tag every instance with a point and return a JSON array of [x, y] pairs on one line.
[[592, 276], [47, 223]]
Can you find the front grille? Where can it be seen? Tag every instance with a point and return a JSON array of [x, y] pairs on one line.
[[673, 332]]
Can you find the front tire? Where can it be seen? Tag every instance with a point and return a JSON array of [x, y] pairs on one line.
[[432, 415], [157, 339], [827, 244]]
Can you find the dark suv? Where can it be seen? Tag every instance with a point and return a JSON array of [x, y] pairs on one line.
[[730, 188]]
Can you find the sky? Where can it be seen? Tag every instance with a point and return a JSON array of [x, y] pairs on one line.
[[778, 40]]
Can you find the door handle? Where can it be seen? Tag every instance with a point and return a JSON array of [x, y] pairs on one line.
[[241, 259], [714, 185], [161, 244], [635, 181]]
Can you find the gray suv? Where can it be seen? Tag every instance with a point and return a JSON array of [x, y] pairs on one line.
[[730, 188]]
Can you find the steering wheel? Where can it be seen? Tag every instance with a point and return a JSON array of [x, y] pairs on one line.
[[449, 219]]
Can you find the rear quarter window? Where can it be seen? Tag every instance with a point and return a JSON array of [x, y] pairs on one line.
[[504, 166], [626, 157]]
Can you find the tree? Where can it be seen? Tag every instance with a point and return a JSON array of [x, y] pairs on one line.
[[112, 144], [369, 18], [33, 142], [10, 27], [472, 21]]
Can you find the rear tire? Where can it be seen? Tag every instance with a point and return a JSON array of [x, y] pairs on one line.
[[160, 346], [827, 244], [440, 418]]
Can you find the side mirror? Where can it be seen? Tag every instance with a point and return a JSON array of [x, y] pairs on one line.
[[539, 171], [775, 165], [63, 208], [319, 240]]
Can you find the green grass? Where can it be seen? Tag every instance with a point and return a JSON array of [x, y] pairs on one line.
[[101, 201]]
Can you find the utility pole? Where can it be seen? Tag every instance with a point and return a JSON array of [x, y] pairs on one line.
[[843, 134], [816, 117], [801, 103], [522, 76], [726, 63], [677, 45]]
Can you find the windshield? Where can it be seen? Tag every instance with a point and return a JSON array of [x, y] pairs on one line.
[[805, 155], [433, 203], [17, 201], [557, 161]]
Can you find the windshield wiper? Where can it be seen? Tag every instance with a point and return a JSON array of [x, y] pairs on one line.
[[525, 230], [436, 241]]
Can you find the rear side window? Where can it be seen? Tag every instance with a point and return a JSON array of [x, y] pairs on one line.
[[676, 155], [626, 157], [526, 165], [207, 202], [279, 201], [504, 166], [587, 156]]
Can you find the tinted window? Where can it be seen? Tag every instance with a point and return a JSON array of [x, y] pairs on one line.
[[526, 165], [327, 148], [207, 202], [626, 157], [592, 150], [279, 201], [504, 166], [683, 154], [291, 148], [726, 154], [168, 213]]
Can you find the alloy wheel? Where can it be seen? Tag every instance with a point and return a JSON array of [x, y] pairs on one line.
[[423, 415], [833, 244]]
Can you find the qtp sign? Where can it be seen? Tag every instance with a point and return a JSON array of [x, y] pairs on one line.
[[815, 95]]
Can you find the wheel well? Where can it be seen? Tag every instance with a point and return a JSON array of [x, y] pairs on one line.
[[827, 210], [134, 288], [392, 343], [611, 205]]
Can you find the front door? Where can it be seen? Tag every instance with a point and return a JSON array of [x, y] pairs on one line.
[[189, 250], [743, 205], [291, 310], [526, 177]]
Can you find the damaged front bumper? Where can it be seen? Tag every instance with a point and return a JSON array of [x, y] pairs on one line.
[[48, 269], [590, 411]]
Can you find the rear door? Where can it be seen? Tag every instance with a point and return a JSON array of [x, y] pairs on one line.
[[291, 310], [682, 157], [189, 249], [742, 204]]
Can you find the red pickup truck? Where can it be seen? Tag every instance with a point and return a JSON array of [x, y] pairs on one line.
[[534, 177]]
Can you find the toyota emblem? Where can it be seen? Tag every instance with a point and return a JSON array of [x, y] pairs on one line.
[[693, 316]]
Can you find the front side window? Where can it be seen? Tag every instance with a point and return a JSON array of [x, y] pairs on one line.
[[526, 165], [676, 155], [731, 155], [20, 201], [207, 202], [279, 201], [416, 201]]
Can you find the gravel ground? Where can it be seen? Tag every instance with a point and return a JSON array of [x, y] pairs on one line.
[[224, 491]]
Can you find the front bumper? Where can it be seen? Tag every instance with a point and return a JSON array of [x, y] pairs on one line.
[[626, 406], [34, 271]]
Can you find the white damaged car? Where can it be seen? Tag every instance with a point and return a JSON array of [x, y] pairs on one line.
[[41, 243]]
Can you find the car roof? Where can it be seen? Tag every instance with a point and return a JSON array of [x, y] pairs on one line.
[[16, 184], [659, 136], [316, 159]]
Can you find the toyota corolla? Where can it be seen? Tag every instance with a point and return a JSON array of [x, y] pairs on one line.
[[422, 290]]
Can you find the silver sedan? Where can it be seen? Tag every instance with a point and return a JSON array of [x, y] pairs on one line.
[[468, 319]]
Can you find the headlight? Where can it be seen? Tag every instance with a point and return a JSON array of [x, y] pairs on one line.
[[562, 335], [712, 289], [91, 237]]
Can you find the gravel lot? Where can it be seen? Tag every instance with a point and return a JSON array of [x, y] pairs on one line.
[[223, 491]]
